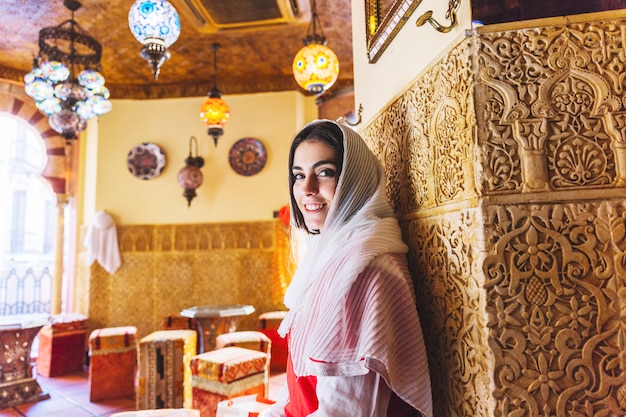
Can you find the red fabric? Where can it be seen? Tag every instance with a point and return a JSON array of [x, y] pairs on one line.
[[278, 358], [302, 396]]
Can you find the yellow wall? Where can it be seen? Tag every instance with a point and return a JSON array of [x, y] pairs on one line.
[[225, 196]]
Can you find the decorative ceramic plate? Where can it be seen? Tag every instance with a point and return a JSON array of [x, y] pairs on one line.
[[247, 156], [146, 161]]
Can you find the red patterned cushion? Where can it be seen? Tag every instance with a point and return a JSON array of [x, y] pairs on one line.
[[228, 364]]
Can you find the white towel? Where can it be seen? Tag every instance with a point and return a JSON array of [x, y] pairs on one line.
[[101, 242]]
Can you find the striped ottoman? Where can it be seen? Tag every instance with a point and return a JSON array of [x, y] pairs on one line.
[[164, 377], [113, 363], [226, 373]]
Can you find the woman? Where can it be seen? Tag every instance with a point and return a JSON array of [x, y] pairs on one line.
[[355, 341]]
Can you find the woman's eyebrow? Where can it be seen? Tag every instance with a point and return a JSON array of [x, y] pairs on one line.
[[317, 164]]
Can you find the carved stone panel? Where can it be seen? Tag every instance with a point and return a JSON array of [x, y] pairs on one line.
[[506, 165]]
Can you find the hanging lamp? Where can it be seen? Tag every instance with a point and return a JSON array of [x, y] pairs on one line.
[[156, 25], [190, 177], [65, 82], [214, 112], [315, 66]]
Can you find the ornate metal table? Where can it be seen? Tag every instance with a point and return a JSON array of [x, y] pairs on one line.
[[213, 320], [17, 384]]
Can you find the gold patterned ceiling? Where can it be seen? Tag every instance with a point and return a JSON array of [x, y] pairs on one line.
[[250, 60]]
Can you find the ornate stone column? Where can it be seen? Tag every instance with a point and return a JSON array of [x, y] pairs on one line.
[[57, 279], [506, 167]]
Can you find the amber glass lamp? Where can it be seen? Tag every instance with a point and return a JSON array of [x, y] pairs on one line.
[[214, 112]]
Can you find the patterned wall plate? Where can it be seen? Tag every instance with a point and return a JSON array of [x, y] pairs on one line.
[[146, 161], [247, 156]]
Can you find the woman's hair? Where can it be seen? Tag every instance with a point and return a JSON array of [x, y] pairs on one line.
[[326, 132]]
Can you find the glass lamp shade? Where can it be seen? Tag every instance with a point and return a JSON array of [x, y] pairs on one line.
[[69, 103], [190, 178], [68, 123], [154, 19], [156, 25], [215, 113], [316, 68]]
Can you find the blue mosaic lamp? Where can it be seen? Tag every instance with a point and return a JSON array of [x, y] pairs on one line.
[[156, 25]]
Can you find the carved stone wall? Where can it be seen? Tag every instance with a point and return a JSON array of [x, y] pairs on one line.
[[167, 268], [505, 163]]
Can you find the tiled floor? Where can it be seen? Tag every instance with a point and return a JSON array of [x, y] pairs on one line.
[[69, 397]]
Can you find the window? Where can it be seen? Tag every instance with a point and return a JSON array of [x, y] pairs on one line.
[[27, 220]]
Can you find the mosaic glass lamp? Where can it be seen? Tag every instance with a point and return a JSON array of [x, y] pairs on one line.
[[65, 82], [214, 112], [315, 66], [156, 25]]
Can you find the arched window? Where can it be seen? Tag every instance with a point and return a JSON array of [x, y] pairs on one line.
[[27, 220]]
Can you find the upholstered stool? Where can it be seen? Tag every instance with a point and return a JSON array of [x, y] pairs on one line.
[[177, 322], [163, 412], [248, 340], [113, 363], [268, 325], [226, 373], [62, 345], [164, 377]]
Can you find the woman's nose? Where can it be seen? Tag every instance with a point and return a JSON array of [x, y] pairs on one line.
[[310, 185]]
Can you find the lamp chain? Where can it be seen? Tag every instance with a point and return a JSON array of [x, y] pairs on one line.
[[315, 23], [215, 47]]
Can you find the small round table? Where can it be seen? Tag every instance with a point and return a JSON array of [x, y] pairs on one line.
[[17, 384], [213, 320]]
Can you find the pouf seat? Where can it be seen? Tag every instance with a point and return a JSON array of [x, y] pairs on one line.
[[248, 339], [113, 363], [226, 373], [164, 376], [62, 345]]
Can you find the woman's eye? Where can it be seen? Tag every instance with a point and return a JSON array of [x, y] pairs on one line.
[[298, 176], [327, 173]]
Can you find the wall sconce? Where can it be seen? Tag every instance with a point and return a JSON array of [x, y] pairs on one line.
[[156, 25], [190, 177], [214, 112], [315, 66]]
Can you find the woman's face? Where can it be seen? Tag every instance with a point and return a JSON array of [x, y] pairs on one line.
[[315, 170]]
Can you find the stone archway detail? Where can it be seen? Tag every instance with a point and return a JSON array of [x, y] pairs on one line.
[[18, 104]]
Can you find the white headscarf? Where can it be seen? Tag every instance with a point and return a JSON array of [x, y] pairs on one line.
[[359, 227]]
